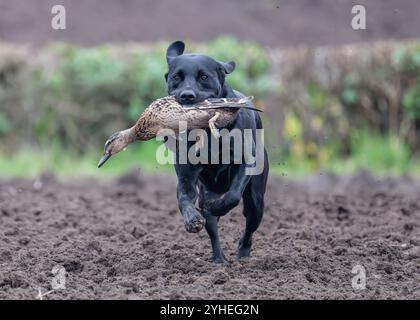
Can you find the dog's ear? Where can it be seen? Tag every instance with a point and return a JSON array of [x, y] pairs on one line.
[[227, 67], [174, 50]]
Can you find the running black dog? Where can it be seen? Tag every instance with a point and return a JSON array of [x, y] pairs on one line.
[[192, 78]]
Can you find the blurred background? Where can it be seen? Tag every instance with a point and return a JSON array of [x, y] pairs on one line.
[[335, 99]]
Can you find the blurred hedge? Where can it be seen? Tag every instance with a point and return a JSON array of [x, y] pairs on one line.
[[340, 96], [75, 97], [320, 101]]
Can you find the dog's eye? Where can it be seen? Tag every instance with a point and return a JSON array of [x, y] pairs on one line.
[[176, 77], [204, 77]]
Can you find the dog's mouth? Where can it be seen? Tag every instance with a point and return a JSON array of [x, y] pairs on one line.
[[187, 102]]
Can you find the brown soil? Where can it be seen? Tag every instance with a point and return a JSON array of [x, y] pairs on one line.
[[125, 239], [275, 23]]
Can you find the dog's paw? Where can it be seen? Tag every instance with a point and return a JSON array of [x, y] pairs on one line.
[[244, 249], [194, 221], [243, 253], [220, 259]]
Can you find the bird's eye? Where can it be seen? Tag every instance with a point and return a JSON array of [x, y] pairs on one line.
[[204, 77], [176, 77]]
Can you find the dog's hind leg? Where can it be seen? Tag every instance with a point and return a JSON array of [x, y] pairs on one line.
[[212, 230], [253, 201], [253, 212]]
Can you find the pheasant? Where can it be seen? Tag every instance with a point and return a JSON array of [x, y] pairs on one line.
[[167, 113]]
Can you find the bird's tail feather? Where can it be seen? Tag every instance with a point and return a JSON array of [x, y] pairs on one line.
[[226, 107]]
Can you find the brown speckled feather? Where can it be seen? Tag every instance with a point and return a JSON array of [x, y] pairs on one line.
[[167, 113]]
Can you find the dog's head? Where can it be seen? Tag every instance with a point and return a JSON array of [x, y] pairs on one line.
[[192, 78]]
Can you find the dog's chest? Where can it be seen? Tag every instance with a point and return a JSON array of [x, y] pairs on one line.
[[217, 177]]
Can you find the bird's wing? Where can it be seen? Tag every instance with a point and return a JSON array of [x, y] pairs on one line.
[[216, 103], [243, 100], [228, 106]]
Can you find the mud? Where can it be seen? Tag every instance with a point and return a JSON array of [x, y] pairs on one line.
[[125, 239]]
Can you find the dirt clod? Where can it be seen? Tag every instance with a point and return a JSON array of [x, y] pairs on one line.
[[220, 277]]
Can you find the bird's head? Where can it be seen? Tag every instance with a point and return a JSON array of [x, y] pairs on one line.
[[115, 143]]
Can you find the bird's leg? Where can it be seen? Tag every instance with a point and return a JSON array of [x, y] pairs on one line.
[[199, 144], [212, 125]]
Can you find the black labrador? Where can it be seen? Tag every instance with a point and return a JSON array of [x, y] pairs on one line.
[[192, 78]]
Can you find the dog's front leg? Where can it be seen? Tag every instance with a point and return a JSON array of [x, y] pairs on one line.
[[227, 201], [187, 196]]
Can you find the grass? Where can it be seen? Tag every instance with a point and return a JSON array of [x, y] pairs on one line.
[[379, 155], [30, 163], [384, 156]]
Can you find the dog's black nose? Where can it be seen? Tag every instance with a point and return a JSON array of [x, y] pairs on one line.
[[187, 96]]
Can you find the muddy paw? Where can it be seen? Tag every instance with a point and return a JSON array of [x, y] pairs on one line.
[[244, 249], [243, 253], [195, 222]]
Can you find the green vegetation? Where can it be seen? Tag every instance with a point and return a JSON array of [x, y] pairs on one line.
[[380, 155], [30, 162], [337, 110], [385, 156], [350, 107], [78, 96]]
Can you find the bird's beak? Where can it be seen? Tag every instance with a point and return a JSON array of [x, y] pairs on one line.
[[104, 158]]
